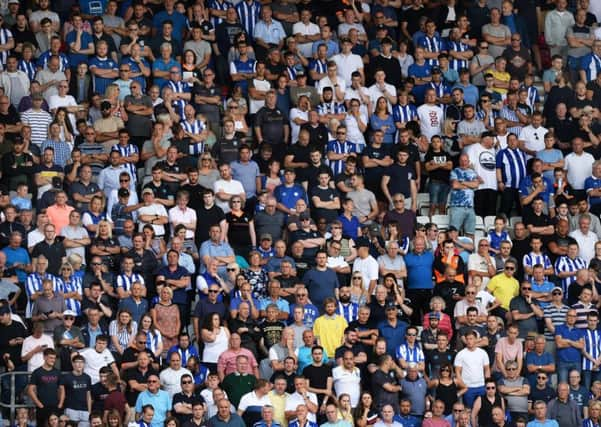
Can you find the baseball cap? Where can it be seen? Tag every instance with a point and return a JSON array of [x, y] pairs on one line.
[[436, 70], [557, 288], [304, 216], [300, 73], [391, 306], [124, 192], [105, 105], [265, 236], [69, 313], [147, 191], [13, 1], [452, 228]]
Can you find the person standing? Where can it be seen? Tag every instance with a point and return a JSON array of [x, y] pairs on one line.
[[74, 391], [44, 387], [472, 366]]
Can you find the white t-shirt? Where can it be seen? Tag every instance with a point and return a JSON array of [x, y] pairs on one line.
[[29, 344], [478, 263], [347, 382], [95, 361], [534, 139], [430, 120], [368, 268], [579, 168], [483, 161], [296, 113], [310, 29], [171, 380], [327, 82], [347, 65], [75, 233], [472, 365], [230, 187], [154, 209], [296, 399], [252, 400], [375, 93]]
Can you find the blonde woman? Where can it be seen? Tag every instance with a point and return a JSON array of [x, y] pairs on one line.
[[104, 245], [207, 170], [165, 316], [437, 307]]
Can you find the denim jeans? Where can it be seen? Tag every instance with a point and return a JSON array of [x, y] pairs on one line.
[[589, 377], [564, 368]]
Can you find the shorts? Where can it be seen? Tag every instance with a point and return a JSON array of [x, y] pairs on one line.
[[439, 192], [463, 218]]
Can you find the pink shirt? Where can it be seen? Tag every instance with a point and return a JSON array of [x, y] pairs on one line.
[[227, 361]]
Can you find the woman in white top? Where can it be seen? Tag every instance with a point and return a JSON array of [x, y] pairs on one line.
[[356, 124], [215, 338]]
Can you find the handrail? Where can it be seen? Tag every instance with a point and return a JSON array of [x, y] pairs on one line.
[[13, 405]]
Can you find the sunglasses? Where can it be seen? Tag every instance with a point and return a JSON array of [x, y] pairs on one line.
[[510, 268], [527, 289], [213, 291], [490, 387], [68, 317], [470, 293], [186, 382], [231, 269], [556, 293]]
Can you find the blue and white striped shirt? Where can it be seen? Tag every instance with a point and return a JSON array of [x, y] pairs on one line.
[[125, 282], [431, 44], [28, 68], [73, 285], [349, 311], [196, 127], [338, 147], [531, 259], [457, 46], [128, 150], [218, 5], [5, 36], [592, 345], [33, 284], [408, 354], [512, 163], [565, 264], [249, 14], [330, 108]]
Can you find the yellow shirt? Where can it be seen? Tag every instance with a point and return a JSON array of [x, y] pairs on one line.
[[279, 407], [504, 77], [504, 289], [330, 331]]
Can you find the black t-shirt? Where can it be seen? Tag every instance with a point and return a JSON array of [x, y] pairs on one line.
[[324, 195], [271, 121], [76, 389], [272, 332], [400, 179], [162, 191], [7, 333], [382, 396], [373, 175], [54, 252], [99, 395], [562, 242], [183, 398], [46, 382], [437, 358], [131, 355], [211, 216], [135, 374], [446, 290], [596, 89], [300, 234], [238, 233], [300, 153], [226, 150], [195, 192], [438, 158], [318, 377]]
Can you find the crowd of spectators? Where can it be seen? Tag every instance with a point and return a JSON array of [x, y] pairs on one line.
[[278, 213]]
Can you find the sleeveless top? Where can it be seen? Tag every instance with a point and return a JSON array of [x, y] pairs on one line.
[[212, 350], [485, 414], [448, 394]]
